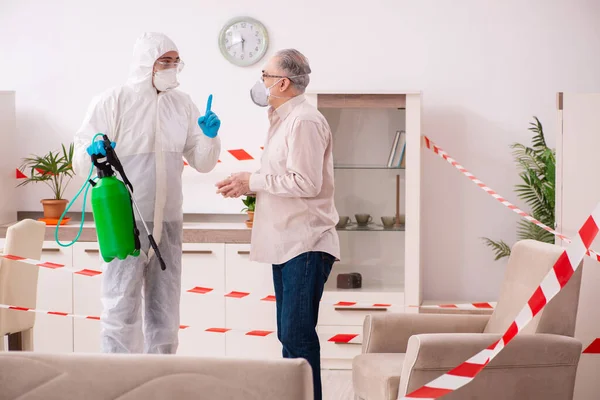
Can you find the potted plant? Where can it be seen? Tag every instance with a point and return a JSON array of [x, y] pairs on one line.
[[249, 202], [55, 170], [537, 171]]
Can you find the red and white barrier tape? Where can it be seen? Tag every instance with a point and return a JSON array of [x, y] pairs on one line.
[[553, 282], [235, 294], [463, 306], [593, 348], [429, 144], [337, 338], [51, 265]]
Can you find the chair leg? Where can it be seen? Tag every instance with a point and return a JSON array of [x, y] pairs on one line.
[[14, 341], [27, 340], [21, 341]]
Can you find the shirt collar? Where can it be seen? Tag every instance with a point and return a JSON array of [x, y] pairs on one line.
[[286, 108]]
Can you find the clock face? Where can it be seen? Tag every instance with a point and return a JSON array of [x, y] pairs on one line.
[[243, 41]]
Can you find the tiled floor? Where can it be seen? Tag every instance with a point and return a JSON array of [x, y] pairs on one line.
[[337, 384]]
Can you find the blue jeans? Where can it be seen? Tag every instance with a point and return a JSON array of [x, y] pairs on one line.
[[299, 286]]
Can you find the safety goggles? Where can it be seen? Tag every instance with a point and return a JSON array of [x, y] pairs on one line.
[[162, 65]]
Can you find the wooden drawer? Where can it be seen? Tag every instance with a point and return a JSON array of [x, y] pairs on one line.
[[249, 313], [338, 349], [240, 345], [86, 297], [203, 266], [51, 333], [330, 314], [243, 275]]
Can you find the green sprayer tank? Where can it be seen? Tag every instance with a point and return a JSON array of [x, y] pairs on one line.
[[114, 219]]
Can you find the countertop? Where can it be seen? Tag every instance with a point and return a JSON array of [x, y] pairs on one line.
[[193, 232]]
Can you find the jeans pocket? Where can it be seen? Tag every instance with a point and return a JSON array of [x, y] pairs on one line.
[[327, 264]]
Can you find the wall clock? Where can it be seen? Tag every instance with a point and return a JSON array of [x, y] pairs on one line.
[[243, 41]]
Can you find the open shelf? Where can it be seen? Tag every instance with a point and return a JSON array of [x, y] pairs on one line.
[[367, 289], [350, 166], [371, 228]]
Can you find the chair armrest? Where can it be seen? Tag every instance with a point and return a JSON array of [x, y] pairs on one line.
[[447, 350], [389, 333], [429, 356]]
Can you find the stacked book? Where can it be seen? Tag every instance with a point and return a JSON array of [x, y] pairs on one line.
[[397, 158]]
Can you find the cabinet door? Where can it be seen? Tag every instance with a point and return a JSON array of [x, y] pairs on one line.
[[339, 355], [52, 333], [250, 312], [330, 313], [203, 268], [86, 297]]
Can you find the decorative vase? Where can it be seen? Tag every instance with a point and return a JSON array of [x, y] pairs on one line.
[[53, 209]]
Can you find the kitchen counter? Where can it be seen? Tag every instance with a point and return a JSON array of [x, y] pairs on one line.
[[193, 232]]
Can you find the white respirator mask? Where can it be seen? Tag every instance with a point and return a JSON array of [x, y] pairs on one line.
[[166, 79]]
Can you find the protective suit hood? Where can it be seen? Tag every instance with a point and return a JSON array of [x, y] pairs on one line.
[[148, 48]]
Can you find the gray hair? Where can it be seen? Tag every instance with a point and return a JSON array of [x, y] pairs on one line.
[[294, 64]]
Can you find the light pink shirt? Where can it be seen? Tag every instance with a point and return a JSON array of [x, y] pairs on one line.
[[295, 211]]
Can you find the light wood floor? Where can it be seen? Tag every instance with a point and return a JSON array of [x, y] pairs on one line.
[[337, 384]]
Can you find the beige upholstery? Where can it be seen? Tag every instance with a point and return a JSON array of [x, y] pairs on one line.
[[33, 376], [402, 352], [18, 281]]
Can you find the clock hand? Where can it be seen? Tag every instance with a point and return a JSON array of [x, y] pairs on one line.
[[234, 44]]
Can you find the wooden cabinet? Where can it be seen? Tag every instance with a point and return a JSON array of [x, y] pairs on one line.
[[249, 312], [86, 298], [8, 159], [364, 127], [577, 143], [51, 333], [203, 268]]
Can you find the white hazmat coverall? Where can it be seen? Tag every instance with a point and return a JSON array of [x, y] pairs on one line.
[[153, 132]]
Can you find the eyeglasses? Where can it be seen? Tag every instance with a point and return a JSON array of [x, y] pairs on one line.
[[169, 64], [263, 76]]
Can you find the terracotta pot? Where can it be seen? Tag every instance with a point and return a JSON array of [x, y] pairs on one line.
[[250, 215], [54, 208]]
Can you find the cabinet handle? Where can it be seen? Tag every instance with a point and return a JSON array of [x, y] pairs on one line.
[[197, 251], [92, 250], [51, 250], [360, 309], [243, 252]]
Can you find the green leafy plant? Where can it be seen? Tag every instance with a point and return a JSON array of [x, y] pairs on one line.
[[249, 202], [55, 169], [537, 166]]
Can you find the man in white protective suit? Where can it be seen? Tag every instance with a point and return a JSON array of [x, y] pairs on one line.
[[153, 126]]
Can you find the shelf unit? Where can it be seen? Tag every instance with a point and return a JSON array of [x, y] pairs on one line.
[[8, 161], [364, 126]]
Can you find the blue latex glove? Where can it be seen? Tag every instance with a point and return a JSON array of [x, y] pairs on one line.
[[97, 148], [209, 123]]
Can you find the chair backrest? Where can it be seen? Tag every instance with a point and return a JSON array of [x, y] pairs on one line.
[[35, 376], [529, 263], [18, 281]]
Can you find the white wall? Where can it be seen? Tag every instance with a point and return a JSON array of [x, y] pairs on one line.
[[485, 67]]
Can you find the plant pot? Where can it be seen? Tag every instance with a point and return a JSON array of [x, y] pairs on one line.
[[250, 220], [53, 209]]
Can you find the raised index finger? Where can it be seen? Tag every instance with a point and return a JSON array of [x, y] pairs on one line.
[[209, 104]]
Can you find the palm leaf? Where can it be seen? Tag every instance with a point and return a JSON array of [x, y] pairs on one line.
[[537, 165], [52, 169], [500, 248]]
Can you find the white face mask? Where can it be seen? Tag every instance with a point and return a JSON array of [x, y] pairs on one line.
[[260, 93], [166, 79]]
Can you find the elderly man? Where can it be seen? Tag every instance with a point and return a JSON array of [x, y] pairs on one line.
[[295, 217]]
